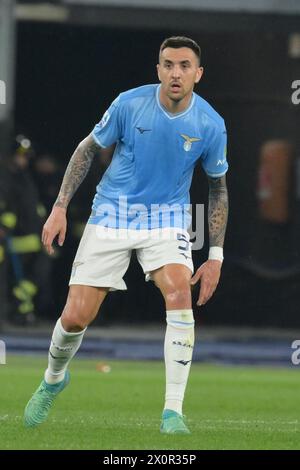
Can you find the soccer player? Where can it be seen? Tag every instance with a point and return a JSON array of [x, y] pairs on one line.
[[160, 131]]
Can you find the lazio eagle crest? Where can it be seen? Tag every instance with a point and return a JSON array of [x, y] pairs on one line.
[[188, 141]]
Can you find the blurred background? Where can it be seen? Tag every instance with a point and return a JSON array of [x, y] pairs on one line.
[[61, 65]]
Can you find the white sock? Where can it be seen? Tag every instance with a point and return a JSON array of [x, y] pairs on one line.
[[63, 347], [179, 344]]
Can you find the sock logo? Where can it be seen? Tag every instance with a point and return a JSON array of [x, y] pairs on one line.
[[184, 363], [62, 348], [185, 345], [54, 357]]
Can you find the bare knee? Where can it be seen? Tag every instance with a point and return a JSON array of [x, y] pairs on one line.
[[173, 280], [178, 297], [80, 310], [74, 317]]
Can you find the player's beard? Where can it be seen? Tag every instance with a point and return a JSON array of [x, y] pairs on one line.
[[176, 98]]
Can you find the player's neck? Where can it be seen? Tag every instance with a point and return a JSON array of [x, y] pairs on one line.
[[174, 107]]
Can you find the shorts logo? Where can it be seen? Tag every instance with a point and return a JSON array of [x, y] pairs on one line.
[[186, 256], [188, 141], [186, 243]]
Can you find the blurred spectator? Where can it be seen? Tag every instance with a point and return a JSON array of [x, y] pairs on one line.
[[275, 195], [7, 224], [28, 189], [23, 246]]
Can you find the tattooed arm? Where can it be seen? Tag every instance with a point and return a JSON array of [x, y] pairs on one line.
[[217, 210], [209, 273], [76, 171]]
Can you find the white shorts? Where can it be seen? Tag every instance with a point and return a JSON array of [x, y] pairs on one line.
[[103, 255]]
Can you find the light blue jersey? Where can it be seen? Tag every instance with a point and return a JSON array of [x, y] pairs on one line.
[[154, 158]]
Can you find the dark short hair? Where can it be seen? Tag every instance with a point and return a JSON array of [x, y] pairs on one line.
[[181, 41]]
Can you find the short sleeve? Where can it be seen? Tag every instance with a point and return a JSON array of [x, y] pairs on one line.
[[214, 160], [108, 130]]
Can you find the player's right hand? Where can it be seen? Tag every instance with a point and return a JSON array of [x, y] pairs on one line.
[[56, 224]]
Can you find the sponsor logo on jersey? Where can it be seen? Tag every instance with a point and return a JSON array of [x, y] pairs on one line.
[[141, 130]]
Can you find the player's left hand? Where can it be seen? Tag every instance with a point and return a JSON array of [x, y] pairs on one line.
[[208, 274]]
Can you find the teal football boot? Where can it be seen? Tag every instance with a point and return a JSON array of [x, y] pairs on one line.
[[38, 407], [173, 423]]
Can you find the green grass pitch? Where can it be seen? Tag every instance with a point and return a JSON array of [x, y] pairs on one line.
[[226, 407]]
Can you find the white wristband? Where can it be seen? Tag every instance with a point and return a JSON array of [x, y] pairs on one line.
[[216, 252]]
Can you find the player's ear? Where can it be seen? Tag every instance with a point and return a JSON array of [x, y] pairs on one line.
[[158, 72], [199, 74]]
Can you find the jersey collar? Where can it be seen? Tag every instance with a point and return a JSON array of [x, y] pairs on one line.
[[170, 115]]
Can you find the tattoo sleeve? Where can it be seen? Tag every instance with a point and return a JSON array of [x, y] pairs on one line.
[[77, 170], [217, 210]]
